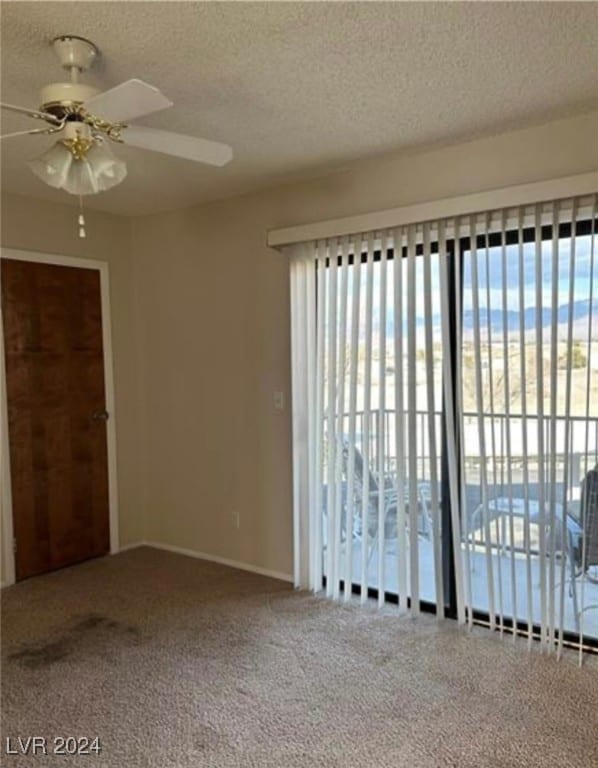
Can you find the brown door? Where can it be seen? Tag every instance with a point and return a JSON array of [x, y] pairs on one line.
[[52, 321]]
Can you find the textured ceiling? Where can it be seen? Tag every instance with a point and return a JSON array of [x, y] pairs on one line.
[[300, 89]]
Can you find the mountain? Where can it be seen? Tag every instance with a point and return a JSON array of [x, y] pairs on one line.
[[494, 319]]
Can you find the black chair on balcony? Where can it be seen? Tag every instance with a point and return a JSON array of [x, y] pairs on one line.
[[582, 547], [588, 554]]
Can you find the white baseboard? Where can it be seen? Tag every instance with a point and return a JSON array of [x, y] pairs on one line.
[[133, 545], [201, 556], [220, 560]]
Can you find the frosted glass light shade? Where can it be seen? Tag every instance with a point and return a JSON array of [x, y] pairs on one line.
[[98, 171]]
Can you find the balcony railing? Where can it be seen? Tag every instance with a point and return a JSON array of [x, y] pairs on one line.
[[503, 470]]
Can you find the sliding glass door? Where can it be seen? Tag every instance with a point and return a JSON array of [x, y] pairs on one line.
[[457, 379], [383, 351], [529, 374]]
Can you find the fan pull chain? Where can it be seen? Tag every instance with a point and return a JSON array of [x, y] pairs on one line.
[[82, 232]]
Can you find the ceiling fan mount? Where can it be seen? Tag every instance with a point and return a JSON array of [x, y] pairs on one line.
[[75, 51]]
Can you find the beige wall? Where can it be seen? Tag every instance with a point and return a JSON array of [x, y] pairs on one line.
[[214, 347], [209, 339], [52, 228]]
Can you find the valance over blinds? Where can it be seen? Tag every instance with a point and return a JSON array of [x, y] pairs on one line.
[[445, 417]]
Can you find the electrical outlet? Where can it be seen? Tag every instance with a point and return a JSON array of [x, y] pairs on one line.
[[279, 401]]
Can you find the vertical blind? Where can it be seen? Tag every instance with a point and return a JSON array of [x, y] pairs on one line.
[[445, 418]]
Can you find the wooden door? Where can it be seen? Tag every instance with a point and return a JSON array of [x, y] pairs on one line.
[[52, 320]]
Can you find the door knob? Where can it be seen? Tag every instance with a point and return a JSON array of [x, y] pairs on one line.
[[100, 415]]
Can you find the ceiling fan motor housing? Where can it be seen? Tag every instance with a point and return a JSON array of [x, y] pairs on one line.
[[58, 98]]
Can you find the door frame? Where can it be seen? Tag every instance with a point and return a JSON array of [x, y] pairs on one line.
[[8, 555]]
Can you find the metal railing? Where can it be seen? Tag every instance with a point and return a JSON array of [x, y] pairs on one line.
[[500, 467]]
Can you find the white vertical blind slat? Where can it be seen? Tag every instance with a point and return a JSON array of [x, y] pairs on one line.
[[331, 414], [412, 441], [382, 424], [321, 342], [297, 394], [540, 425], [451, 427], [353, 377], [479, 397], [498, 528], [461, 553], [296, 321], [312, 410], [588, 391], [524, 427], [340, 409], [507, 406], [562, 524], [400, 420], [552, 441], [366, 421], [431, 418]]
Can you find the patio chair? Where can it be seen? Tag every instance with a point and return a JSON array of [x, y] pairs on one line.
[[588, 546], [502, 510], [584, 547], [390, 498], [361, 470]]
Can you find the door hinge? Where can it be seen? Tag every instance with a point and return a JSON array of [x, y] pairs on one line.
[[14, 545]]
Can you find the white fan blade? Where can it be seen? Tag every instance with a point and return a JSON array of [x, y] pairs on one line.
[[127, 101], [178, 145], [28, 133], [31, 113]]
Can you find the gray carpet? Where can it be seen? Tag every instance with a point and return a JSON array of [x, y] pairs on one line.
[[176, 662]]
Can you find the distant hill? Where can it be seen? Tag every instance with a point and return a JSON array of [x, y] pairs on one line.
[[580, 313], [494, 320]]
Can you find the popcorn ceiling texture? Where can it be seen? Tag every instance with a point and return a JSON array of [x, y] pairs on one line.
[[300, 89], [176, 662]]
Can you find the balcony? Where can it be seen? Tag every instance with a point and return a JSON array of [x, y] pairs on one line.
[[507, 526]]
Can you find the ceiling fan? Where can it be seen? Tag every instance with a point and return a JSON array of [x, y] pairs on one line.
[[86, 122]]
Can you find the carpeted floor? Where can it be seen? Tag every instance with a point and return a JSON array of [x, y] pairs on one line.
[[177, 662]]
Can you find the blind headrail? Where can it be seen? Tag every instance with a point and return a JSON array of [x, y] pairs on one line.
[[463, 205]]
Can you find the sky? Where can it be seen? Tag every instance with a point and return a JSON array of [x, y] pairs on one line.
[[582, 271], [490, 277]]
